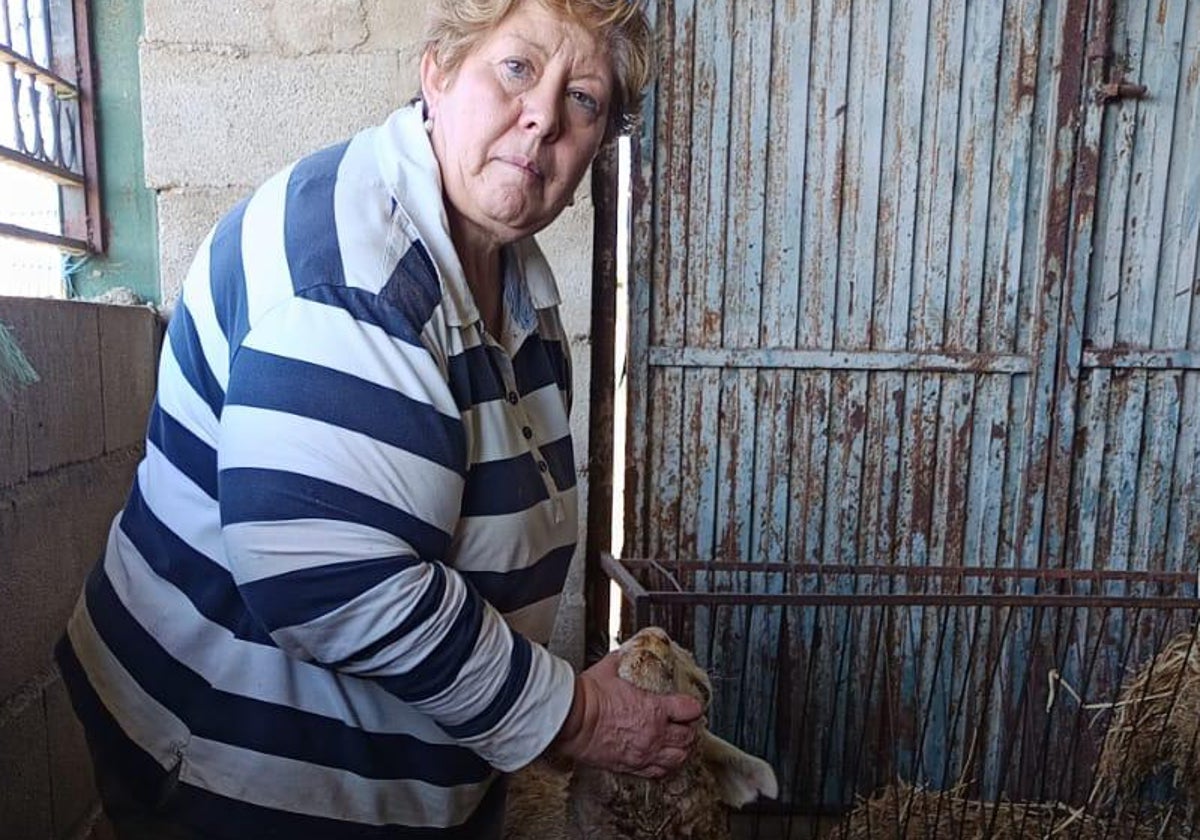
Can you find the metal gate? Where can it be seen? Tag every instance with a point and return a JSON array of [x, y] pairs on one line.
[[915, 282]]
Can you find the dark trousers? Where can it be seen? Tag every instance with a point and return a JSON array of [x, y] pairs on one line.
[[132, 814]]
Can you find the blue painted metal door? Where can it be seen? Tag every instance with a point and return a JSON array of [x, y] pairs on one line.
[[914, 282]]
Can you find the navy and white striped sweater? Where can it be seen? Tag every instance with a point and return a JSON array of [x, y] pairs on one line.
[[323, 602]]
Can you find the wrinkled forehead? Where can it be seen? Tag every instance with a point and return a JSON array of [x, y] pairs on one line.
[[549, 33]]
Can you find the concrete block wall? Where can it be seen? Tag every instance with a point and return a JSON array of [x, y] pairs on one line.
[[69, 445], [232, 90]]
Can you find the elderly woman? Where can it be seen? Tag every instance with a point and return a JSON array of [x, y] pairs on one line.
[[321, 612]]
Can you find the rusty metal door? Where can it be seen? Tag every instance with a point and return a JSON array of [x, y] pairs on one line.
[[913, 283], [1131, 395]]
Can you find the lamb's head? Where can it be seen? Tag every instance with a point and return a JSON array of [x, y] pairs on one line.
[[651, 660]]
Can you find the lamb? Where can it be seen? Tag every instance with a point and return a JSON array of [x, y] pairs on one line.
[[548, 802]]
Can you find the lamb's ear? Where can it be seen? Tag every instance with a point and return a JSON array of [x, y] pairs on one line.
[[741, 777]]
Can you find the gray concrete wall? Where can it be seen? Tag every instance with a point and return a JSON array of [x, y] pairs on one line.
[[234, 89], [68, 448]]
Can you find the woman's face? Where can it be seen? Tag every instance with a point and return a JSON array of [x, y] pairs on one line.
[[516, 126]]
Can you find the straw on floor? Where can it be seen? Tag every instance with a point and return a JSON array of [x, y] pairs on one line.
[[904, 812]]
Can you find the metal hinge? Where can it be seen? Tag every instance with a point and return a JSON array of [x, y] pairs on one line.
[[1120, 89]]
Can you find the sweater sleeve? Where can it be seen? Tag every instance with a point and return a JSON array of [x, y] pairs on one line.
[[342, 465]]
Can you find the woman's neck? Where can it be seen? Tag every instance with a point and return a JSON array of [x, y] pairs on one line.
[[481, 264]]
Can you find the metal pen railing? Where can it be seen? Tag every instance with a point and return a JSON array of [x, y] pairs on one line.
[[978, 702]]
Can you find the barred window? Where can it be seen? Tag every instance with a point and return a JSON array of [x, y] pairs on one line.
[[49, 192]]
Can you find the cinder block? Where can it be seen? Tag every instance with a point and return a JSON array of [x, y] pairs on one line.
[[130, 337], [25, 810], [52, 529], [184, 219], [567, 638], [72, 784], [61, 339], [567, 244], [290, 27], [220, 23], [14, 440], [261, 112], [398, 25], [302, 27]]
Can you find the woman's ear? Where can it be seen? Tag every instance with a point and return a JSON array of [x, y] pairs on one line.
[[432, 81]]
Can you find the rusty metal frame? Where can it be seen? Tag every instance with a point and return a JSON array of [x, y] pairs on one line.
[[87, 125], [672, 568], [624, 572], [602, 413], [1043, 665], [642, 206]]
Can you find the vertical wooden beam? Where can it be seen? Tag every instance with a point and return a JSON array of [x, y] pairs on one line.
[[87, 127], [605, 188]]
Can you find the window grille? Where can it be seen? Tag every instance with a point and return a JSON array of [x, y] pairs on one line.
[[49, 192]]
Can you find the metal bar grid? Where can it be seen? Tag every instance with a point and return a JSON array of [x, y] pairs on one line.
[[983, 714], [672, 567]]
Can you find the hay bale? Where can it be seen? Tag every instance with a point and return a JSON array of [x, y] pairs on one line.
[[904, 812], [1155, 728]]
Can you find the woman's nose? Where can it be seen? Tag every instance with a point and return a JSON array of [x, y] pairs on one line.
[[541, 111]]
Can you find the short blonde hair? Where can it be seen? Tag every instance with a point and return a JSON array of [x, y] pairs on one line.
[[455, 27]]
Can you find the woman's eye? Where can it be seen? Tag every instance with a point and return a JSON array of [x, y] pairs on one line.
[[516, 68], [586, 101]]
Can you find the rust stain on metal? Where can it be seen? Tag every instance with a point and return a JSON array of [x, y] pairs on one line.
[[922, 477], [960, 455], [1025, 79], [1073, 186], [855, 423]]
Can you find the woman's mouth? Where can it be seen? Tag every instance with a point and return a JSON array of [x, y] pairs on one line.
[[524, 164]]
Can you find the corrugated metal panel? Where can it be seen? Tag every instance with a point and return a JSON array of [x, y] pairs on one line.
[[1136, 503], [907, 291], [867, 236]]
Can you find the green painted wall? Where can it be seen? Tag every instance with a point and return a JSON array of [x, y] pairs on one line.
[[130, 218]]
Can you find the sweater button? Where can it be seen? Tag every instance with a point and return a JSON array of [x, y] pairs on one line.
[[528, 432], [512, 397]]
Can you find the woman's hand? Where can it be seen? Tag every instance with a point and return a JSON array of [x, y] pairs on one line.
[[617, 726]]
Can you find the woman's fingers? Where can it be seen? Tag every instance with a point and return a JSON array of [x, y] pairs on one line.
[[665, 761], [620, 727], [679, 735], [682, 709]]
